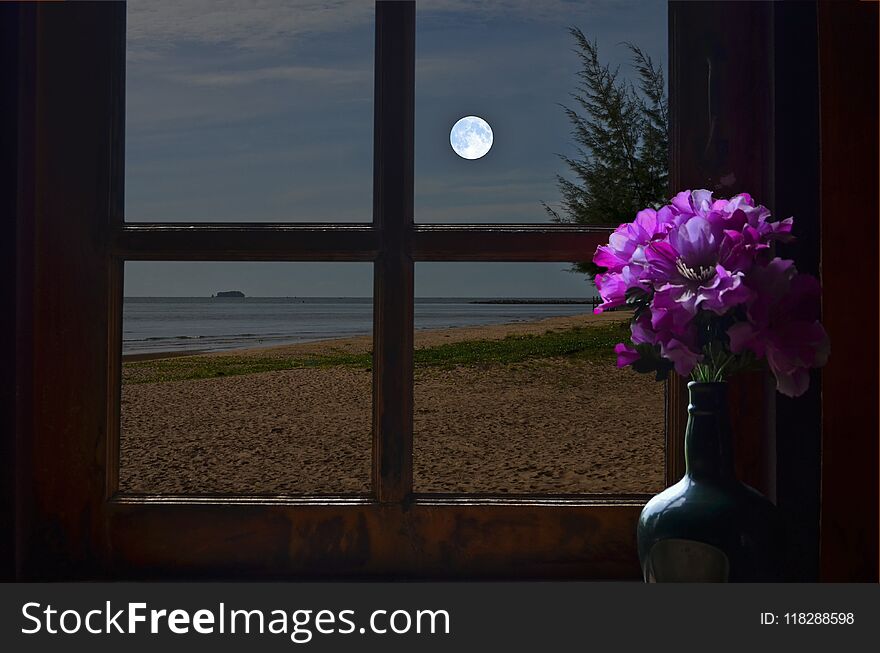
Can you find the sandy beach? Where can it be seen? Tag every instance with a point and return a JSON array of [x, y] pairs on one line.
[[560, 425]]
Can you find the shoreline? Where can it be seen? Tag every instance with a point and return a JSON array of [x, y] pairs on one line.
[[158, 355], [424, 337]]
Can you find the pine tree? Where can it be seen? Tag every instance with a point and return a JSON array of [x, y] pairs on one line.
[[620, 131]]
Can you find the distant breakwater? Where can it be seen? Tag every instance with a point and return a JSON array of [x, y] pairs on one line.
[[593, 301]]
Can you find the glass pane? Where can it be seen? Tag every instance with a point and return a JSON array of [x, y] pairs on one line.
[[515, 65], [246, 378], [249, 111], [516, 388]]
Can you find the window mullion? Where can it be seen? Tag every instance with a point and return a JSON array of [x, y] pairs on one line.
[[523, 242], [393, 277]]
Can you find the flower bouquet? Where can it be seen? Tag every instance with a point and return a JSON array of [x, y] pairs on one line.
[[710, 298]]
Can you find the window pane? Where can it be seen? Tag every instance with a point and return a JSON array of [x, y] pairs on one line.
[[514, 65], [263, 394], [249, 111], [516, 388]]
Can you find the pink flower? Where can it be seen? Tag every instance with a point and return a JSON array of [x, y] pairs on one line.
[[626, 355], [613, 286], [708, 298], [626, 245], [783, 325], [689, 272], [677, 343]]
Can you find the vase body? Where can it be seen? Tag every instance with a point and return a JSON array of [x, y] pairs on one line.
[[709, 527]]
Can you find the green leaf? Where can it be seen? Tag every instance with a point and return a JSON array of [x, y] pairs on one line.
[[636, 295], [650, 360]]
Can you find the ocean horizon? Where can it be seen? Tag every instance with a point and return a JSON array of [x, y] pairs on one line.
[[180, 324]]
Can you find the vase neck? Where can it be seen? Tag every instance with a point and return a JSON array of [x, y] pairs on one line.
[[707, 442]]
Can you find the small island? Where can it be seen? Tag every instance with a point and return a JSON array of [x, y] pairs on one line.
[[228, 293]]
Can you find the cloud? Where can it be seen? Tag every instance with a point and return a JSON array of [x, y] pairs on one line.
[[259, 24], [303, 74], [262, 24]]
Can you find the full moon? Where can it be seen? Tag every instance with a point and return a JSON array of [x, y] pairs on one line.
[[471, 137]]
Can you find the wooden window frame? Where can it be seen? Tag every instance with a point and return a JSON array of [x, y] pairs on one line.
[[79, 526]]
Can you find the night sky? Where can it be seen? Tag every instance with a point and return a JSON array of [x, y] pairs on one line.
[[262, 111]]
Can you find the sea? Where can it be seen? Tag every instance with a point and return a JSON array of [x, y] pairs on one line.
[[180, 324]]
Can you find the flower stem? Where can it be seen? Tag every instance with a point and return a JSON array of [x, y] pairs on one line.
[[719, 373]]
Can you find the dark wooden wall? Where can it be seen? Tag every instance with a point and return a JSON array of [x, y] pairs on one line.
[[9, 150], [780, 100], [61, 341], [848, 72], [796, 193]]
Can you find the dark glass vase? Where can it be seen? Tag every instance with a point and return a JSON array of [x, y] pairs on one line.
[[709, 527]]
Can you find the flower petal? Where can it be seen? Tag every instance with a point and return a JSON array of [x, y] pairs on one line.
[[626, 355]]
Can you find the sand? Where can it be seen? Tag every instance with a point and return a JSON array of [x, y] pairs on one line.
[[546, 426]]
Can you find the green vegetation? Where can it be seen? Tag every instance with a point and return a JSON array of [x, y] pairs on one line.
[[583, 342], [620, 135], [594, 342], [208, 367], [620, 131]]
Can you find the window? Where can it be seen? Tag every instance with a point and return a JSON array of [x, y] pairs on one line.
[[390, 532], [245, 396]]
